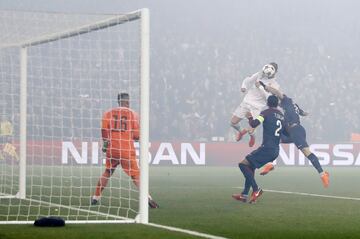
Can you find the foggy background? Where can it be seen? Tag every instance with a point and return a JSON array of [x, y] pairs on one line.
[[202, 50]]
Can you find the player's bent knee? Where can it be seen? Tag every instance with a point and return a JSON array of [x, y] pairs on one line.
[[243, 162]]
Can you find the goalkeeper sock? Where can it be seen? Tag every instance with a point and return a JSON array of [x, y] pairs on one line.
[[103, 180], [315, 162], [249, 176], [97, 198]]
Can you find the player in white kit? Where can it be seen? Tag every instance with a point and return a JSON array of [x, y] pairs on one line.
[[255, 98]]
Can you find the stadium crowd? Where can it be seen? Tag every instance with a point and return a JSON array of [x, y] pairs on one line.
[[195, 87], [200, 87]]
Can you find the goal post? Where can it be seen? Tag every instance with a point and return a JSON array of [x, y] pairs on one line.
[[23, 114], [145, 106], [57, 81]]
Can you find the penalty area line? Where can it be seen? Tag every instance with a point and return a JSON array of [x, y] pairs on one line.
[[310, 194], [193, 233]]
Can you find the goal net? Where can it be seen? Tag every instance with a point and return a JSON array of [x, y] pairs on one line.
[[59, 73]]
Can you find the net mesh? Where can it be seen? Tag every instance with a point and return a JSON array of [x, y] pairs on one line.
[[71, 82]]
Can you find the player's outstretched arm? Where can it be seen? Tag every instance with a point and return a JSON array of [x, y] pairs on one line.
[[248, 81], [245, 84], [265, 93], [272, 90], [301, 111]]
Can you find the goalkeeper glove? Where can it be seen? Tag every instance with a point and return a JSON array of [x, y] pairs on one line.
[[105, 146]]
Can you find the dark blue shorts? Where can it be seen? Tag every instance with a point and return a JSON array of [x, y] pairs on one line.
[[285, 138], [261, 156], [298, 136]]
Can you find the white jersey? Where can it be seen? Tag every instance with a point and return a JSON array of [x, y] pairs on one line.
[[256, 97]]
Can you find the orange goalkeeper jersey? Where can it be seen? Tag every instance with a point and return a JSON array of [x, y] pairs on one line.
[[120, 127]]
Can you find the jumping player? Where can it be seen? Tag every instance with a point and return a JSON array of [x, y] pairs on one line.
[[295, 132], [255, 98], [272, 120], [120, 127]]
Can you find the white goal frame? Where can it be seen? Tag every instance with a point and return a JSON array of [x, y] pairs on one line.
[[143, 16]]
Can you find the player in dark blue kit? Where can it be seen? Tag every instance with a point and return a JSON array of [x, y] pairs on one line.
[[295, 133], [272, 120]]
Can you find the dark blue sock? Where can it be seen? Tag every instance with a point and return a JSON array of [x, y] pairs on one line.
[[315, 162], [249, 176], [247, 184], [246, 187]]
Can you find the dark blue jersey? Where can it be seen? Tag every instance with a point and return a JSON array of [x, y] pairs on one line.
[[273, 121], [291, 111]]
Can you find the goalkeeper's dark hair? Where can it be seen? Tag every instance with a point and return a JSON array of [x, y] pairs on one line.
[[123, 99], [123, 96], [275, 65], [272, 101]]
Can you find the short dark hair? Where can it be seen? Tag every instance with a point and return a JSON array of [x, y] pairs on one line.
[[123, 96], [272, 101], [275, 65]]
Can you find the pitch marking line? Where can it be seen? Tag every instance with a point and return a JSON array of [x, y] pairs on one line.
[[175, 229], [79, 210], [194, 233], [310, 194]]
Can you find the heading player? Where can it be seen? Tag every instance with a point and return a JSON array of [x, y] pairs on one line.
[[255, 98], [119, 130], [295, 132], [272, 119]]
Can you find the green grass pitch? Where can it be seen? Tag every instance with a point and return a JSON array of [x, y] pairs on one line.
[[199, 199]]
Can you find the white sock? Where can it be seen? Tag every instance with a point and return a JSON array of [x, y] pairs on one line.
[[97, 198]]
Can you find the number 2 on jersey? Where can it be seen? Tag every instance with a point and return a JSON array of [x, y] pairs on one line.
[[277, 131]]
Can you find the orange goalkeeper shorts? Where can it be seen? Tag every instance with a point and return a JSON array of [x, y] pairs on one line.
[[127, 160]]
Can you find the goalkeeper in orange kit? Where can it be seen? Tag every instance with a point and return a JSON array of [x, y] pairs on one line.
[[119, 130]]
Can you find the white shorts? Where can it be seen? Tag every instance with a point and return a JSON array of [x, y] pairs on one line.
[[243, 108]]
